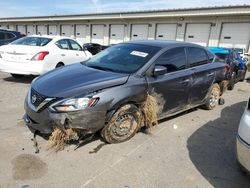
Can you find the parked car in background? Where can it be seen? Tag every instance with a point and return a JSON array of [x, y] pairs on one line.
[[243, 140], [35, 55], [107, 92], [7, 36], [94, 48], [232, 57]]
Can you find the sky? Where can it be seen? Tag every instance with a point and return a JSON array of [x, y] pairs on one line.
[[19, 8]]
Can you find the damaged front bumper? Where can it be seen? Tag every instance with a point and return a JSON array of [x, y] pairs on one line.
[[89, 120]]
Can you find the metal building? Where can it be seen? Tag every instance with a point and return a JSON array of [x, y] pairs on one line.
[[227, 26]]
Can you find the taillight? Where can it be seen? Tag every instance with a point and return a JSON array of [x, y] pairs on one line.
[[228, 68], [39, 56]]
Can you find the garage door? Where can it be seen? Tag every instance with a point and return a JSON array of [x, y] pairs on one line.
[[116, 34], [67, 30], [22, 29], [81, 33], [12, 27], [139, 31], [97, 35], [3, 27], [198, 33], [31, 30], [52, 30], [42, 30], [235, 35], [166, 31]]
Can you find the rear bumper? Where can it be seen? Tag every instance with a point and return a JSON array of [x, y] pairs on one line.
[[243, 153], [27, 68]]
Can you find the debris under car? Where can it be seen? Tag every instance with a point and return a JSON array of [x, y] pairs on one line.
[[123, 89]]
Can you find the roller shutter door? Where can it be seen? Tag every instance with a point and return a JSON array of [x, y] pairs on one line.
[[12, 27], [97, 34], [31, 30], [198, 33], [22, 29], [3, 26], [235, 35], [42, 30], [52, 30], [81, 33], [166, 31], [116, 34], [139, 31], [67, 30]]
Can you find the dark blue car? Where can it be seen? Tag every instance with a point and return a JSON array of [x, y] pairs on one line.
[[237, 65], [7, 36]]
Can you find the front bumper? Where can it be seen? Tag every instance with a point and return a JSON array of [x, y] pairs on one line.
[[24, 68], [89, 120], [243, 153]]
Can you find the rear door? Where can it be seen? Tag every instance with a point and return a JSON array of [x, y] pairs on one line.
[[65, 54], [77, 51], [203, 74], [171, 89]]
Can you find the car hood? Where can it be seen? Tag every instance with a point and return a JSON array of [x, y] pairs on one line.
[[76, 80]]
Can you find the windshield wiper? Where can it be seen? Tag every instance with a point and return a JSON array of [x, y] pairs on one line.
[[101, 68]]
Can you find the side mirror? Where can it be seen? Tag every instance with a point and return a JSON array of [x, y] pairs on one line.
[[160, 70]]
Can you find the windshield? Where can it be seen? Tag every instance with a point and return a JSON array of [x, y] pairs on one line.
[[222, 56], [32, 41], [123, 58]]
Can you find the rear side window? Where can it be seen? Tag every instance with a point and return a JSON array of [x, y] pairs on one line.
[[1, 35], [6, 36], [210, 56], [63, 44], [173, 60], [196, 56], [75, 45], [32, 41]]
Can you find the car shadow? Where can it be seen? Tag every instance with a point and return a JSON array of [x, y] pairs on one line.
[[212, 149], [24, 80]]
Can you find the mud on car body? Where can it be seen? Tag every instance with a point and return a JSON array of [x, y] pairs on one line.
[[106, 93]]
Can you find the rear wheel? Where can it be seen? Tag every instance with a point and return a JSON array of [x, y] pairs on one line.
[[213, 97], [123, 125], [243, 77], [17, 75]]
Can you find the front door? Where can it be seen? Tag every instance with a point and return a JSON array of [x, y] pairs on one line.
[[171, 89]]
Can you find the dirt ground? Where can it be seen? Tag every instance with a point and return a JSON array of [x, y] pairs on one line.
[[193, 149]]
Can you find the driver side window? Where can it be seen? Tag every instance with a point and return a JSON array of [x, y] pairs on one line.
[[173, 59]]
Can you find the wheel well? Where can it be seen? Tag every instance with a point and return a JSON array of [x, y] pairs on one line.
[[111, 111], [60, 64]]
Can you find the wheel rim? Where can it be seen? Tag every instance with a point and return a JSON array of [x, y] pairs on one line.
[[124, 126], [214, 98]]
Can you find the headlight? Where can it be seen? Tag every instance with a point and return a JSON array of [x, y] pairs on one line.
[[75, 104]]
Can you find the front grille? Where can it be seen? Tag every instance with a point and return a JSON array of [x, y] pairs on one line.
[[36, 98]]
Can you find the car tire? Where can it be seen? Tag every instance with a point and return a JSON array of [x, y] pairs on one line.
[[123, 125], [213, 97], [243, 77], [17, 76], [59, 65], [232, 81]]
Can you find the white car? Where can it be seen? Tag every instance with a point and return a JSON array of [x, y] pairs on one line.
[[35, 55], [243, 140]]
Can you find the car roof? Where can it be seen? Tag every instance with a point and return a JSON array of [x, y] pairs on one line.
[[164, 43], [8, 30], [219, 50]]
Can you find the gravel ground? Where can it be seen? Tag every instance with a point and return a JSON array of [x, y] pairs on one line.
[[193, 149]]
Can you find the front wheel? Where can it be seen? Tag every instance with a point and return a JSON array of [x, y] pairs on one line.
[[213, 97], [17, 75], [123, 125], [232, 81]]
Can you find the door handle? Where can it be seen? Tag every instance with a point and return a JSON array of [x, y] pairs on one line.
[[77, 54], [210, 74], [62, 54], [184, 81]]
